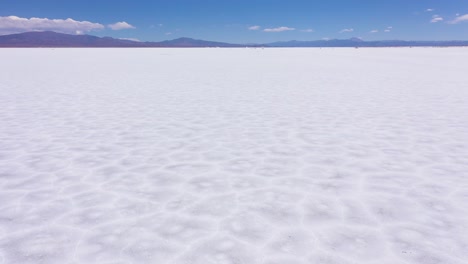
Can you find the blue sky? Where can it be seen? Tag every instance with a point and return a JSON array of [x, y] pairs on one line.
[[241, 21]]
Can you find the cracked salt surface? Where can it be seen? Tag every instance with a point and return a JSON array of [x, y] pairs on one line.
[[234, 156]]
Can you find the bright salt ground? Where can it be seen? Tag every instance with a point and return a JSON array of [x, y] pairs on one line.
[[246, 156]]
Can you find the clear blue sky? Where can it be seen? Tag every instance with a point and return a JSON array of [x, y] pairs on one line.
[[230, 20]]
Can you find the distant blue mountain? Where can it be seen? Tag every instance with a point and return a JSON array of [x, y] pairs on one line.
[[356, 42], [189, 42], [54, 39]]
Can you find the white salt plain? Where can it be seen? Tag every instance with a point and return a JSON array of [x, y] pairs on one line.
[[275, 156]]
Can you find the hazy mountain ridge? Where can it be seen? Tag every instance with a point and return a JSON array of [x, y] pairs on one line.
[[355, 42], [54, 39], [189, 42]]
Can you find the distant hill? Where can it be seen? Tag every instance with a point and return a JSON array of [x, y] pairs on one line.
[[356, 42], [189, 42], [54, 39], [320, 43]]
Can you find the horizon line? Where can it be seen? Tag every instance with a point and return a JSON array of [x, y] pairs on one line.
[[251, 43]]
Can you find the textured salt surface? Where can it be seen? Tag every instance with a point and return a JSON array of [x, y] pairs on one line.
[[234, 156]]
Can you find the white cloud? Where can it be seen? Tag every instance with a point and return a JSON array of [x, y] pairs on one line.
[[120, 26], [388, 29], [254, 28], [347, 30], [168, 33], [459, 19], [374, 31], [436, 18], [14, 24], [309, 30], [278, 29], [430, 10]]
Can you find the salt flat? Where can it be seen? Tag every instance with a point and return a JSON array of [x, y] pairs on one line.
[[185, 156]]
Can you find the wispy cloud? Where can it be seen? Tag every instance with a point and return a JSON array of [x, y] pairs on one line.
[[436, 18], [14, 24], [309, 30], [347, 30], [278, 29], [386, 30], [157, 26], [254, 28], [120, 26], [430, 10], [459, 19]]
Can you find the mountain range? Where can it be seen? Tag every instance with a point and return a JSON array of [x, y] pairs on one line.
[[54, 39]]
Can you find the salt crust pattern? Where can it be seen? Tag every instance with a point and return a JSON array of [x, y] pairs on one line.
[[275, 156]]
